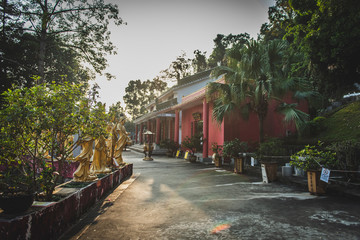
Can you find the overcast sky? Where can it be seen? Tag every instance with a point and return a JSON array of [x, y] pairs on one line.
[[158, 31]]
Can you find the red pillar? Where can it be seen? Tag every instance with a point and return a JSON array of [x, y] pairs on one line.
[[205, 128], [157, 131], [141, 133], [148, 125], [163, 127], [176, 134], [136, 133]]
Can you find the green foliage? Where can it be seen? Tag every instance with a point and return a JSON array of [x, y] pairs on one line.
[[314, 158], [53, 38], [216, 148], [181, 67], [115, 111], [348, 154], [271, 147], [328, 32], [199, 62], [257, 72], [234, 147], [280, 16], [315, 126], [342, 125], [170, 145], [138, 94], [38, 123], [15, 176], [193, 143], [222, 43]]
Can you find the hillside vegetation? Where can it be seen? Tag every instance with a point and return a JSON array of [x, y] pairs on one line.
[[343, 124]]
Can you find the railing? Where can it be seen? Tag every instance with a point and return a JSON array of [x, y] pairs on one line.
[[166, 104]]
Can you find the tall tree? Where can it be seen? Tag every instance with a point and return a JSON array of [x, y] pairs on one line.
[[255, 74], [199, 62], [80, 25], [139, 94], [16, 48], [329, 33], [280, 17], [178, 69], [222, 43]]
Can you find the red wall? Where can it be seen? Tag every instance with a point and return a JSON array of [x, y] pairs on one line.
[[244, 130], [248, 130], [234, 126], [216, 131], [187, 119]]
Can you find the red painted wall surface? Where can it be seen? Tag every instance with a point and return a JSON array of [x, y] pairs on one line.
[[237, 127], [248, 130], [216, 131], [234, 126], [187, 119]]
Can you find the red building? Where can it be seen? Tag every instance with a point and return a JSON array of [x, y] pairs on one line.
[[183, 111]]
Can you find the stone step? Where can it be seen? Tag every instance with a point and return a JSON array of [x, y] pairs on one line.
[[140, 148]]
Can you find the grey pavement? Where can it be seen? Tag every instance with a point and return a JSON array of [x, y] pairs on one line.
[[171, 198]]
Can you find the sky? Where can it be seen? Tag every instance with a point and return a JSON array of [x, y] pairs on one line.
[[158, 31]]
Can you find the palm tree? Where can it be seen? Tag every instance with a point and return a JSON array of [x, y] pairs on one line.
[[256, 73]]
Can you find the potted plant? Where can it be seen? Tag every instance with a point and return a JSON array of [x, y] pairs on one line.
[[268, 154], [234, 149], [170, 145], [312, 159], [16, 186], [192, 144], [216, 154]]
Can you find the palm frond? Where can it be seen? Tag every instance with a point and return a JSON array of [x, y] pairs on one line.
[[292, 114]]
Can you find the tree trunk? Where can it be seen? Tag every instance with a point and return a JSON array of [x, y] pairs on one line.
[[42, 51]]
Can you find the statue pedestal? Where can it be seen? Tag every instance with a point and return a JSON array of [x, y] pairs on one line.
[[148, 159]]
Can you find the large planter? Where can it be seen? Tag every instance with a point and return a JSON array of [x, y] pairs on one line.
[[217, 160], [315, 185], [271, 170], [192, 158], [51, 220], [239, 165], [16, 203]]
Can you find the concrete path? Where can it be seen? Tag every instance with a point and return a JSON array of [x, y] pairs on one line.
[[172, 199]]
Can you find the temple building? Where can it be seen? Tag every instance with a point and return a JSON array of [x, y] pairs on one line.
[[184, 111]]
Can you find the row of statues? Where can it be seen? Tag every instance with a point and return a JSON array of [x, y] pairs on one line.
[[107, 152]]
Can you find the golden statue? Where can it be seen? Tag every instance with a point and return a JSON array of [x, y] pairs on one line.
[[82, 173], [121, 141], [99, 160], [110, 144]]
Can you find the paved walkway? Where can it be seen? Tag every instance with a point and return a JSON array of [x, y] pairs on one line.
[[170, 198]]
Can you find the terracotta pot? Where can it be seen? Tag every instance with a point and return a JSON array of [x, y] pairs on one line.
[[315, 185], [239, 165], [271, 170], [217, 160]]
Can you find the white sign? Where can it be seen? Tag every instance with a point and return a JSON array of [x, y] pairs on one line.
[[325, 174], [264, 176]]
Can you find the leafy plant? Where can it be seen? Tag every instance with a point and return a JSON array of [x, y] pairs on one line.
[[193, 143], [170, 145], [234, 147], [271, 147], [314, 158], [15, 177], [216, 148], [38, 123], [348, 155]]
